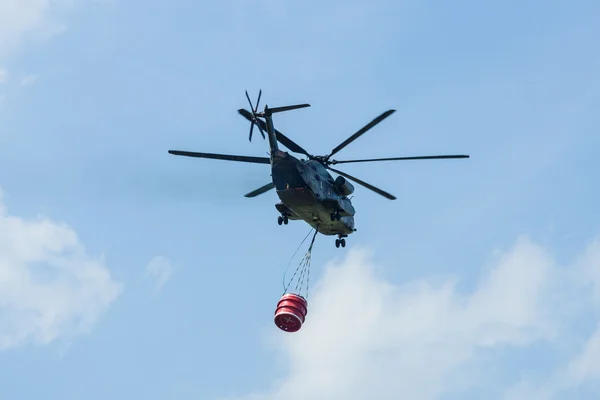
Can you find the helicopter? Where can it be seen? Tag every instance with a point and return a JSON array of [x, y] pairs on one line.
[[305, 188]]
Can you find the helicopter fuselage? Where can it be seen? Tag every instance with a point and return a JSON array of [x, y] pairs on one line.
[[308, 192]]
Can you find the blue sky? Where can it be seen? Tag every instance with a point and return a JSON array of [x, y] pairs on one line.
[[482, 279]]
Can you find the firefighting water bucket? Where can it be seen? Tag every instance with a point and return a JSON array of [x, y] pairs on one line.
[[291, 312]]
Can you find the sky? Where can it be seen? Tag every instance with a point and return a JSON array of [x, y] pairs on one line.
[[126, 272]]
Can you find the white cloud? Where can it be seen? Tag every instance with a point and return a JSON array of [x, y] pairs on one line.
[[29, 80], [161, 269], [49, 286], [367, 338], [27, 19]]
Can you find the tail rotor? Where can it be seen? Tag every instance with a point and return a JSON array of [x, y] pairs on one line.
[[254, 119]]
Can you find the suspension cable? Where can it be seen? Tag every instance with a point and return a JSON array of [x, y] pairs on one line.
[[288, 266], [304, 268]]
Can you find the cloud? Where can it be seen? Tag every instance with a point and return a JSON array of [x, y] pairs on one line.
[[49, 286], [27, 19], [22, 21], [161, 269], [29, 80], [367, 338]]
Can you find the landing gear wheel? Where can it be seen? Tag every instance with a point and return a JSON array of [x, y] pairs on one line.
[[285, 220], [337, 242], [280, 220], [343, 242]]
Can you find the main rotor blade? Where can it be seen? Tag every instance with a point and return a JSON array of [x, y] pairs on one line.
[[248, 115], [365, 184], [290, 144], [262, 132], [399, 159], [287, 108], [284, 140], [227, 157], [261, 190], [362, 130]]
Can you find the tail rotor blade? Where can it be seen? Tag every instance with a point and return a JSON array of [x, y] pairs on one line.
[[252, 116], [251, 129], [249, 101], [258, 101]]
